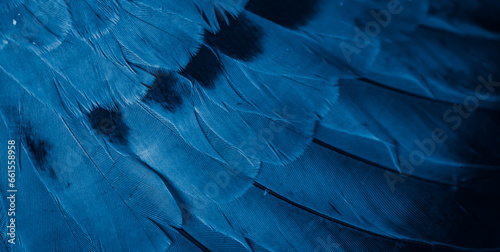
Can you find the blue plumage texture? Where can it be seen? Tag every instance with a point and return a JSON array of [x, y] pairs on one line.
[[249, 125]]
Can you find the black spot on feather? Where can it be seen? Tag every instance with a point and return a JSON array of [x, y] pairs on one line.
[[205, 67], [109, 123], [287, 13], [239, 39], [167, 90], [38, 150]]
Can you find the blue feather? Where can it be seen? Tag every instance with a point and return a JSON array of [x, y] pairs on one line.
[[249, 125]]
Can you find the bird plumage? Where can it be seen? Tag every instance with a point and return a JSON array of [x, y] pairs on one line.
[[235, 125]]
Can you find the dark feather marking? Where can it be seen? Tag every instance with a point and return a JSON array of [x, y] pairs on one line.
[[368, 162], [287, 13], [205, 67], [165, 91], [255, 246], [110, 123], [422, 245], [39, 151], [191, 239], [36, 147], [240, 38], [378, 84]]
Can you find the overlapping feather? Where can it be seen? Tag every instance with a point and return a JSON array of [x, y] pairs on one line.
[[220, 125]]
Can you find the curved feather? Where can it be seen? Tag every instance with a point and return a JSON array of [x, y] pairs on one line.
[[440, 138], [433, 65], [122, 185], [235, 125], [39, 26]]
